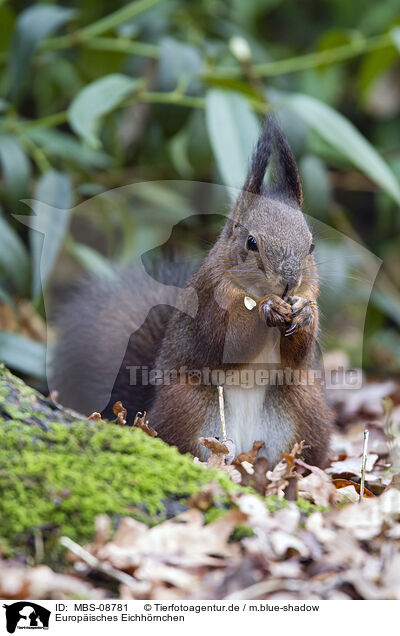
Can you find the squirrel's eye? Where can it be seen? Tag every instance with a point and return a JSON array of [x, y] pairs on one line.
[[312, 247], [252, 244]]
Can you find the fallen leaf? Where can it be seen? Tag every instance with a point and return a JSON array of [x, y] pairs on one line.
[[218, 449], [352, 465], [205, 497], [120, 412], [366, 400], [345, 483], [347, 494], [250, 456], [317, 486], [142, 423], [96, 417]]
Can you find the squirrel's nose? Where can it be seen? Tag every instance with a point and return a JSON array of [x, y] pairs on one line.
[[289, 283]]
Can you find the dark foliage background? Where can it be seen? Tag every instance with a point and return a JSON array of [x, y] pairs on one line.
[[97, 95]]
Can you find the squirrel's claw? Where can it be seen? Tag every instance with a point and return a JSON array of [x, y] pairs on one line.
[[276, 312], [302, 310], [291, 330]]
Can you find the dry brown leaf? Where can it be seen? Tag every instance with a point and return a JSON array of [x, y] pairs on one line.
[[367, 400], [345, 483], [120, 412], [349, 442], [142, 423], [204, 498], [315, 523], [183, 542], [214, 445], [317, 486], [277, 481], [40, 582], [352, 465], [282, 542], [279, 478], [251, 456], [367, 519], [348, 552], [102, 533], [96, 417], [347, 494], [391, 576], [218, 449], [156, 573], [128, 532]]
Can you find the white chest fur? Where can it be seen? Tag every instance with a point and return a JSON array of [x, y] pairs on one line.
[[250, 417], [252, 414]]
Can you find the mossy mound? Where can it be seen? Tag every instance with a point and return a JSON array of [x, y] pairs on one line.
[[58, 471]]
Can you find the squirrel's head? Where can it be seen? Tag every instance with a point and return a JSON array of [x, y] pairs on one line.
[[270, 243]]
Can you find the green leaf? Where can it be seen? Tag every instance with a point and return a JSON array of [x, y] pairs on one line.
[[316, 186], [96, 100], [342, 135], [7, 20], [33, 24], [64, 146], [233, 130], [234, 85], [91, 260], [23, 355], [387, 303], [373, 65], [198, 150], [179, 62], [15, 166], [5, 297], [395, 35], [163, 197], [14, 259], [48, 226]]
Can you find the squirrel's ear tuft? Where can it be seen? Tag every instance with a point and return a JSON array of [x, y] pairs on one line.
[[286, 175]]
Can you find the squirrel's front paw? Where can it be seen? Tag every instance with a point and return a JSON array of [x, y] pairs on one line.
[[275, 311], [302, 314]]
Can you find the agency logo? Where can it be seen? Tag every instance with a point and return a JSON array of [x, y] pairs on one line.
[[26, 615], [155, 209]]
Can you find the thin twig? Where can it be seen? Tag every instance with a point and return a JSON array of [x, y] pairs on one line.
[[364, 463], [108, 23], [95, 564], [222, 412], [309, 60], [124, 45]]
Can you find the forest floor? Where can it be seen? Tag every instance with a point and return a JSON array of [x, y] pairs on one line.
[[315, 539]]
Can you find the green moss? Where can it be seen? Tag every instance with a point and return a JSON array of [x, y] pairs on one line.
[[274, 503], [216, 511], [64, 477], [241, 532], [56, 476], [58, 471], [307, 507]]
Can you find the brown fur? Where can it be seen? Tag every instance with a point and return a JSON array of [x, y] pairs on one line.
[[224, 335]]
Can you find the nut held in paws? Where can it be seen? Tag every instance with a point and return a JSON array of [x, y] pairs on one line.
[[249, 303]]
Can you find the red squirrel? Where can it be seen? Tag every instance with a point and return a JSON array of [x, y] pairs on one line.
[[257, 317]]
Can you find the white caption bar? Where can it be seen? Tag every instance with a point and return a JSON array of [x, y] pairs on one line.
[[176, 617]]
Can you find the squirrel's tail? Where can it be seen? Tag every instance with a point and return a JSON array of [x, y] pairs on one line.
[[108, 336]]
